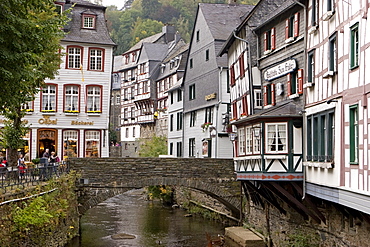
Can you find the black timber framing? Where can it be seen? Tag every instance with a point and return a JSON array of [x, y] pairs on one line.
[[283, 194], [264, 194]]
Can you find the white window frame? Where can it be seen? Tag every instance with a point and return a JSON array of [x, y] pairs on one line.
[[49, 97], [71, 96], [276, 137], [92, 139], [94, 94]]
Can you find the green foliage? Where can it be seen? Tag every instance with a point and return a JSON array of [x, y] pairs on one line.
[[161, 192], [30, 33], [130, 29], [35, 214], [153, 147]]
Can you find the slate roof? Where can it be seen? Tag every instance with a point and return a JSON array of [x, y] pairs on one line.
[[151, 39], [263, 12], [152, 52], [282, 109], [75, 33], [222, 19]]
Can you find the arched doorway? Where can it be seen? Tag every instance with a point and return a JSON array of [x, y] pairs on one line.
[[47, 138]]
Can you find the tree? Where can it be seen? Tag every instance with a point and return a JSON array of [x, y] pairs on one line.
[[30, 33], [153, 147]]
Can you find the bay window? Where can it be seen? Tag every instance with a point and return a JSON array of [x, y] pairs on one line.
[[276, 137]]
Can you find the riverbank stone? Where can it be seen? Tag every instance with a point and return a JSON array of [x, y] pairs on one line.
[[241, 237], [122, 236]]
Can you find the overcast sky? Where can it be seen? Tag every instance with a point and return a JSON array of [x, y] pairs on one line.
[[118, 3]]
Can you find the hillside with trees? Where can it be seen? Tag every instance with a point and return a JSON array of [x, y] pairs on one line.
[[146, 17]]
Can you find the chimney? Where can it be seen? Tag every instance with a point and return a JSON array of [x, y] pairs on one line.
[[169, 32]]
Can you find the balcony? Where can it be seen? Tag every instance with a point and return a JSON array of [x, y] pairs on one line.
[[145, 119], [274, 167], [142, 96]]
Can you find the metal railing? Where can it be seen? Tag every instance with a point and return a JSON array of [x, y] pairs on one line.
[[12, 177]]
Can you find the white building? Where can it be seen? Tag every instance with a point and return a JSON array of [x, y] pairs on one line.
[[70, 115]]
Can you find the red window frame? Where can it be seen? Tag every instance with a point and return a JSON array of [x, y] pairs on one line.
[[102, 59]]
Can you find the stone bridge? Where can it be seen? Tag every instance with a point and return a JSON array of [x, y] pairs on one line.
[[102, 178]]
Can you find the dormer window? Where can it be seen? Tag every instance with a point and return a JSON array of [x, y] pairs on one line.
[[88, 21]]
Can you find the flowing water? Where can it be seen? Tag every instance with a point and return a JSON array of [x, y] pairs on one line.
[[149, 222]]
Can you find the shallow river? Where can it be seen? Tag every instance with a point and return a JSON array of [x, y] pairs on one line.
[[150, 223]]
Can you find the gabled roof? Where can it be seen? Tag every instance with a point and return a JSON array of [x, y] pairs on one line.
[[222, 19], [75, 33], [151, 39], [152, 52]]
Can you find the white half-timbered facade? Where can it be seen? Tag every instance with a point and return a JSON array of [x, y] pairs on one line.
[[337, 98]]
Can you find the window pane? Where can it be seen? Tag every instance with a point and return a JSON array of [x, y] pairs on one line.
[[92, 143]]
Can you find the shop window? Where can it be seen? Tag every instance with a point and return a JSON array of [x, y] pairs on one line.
[[74, 57], [70, 143], [71, 101], [92, 143], [96, 59], [94, 99], [49, 97], [276, 138]]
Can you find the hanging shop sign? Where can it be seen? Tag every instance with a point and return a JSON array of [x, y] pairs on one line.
[[280, 69]]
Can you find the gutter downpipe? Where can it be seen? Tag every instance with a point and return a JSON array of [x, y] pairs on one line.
[[250, 71], [304, 102]]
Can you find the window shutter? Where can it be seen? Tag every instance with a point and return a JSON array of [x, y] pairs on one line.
[[265, 40], [300, 81], [265, 95], [245, 105], [272, 94], [296, 24], [241, 65], [232, 76], [234, 110], [273, 39], [289, 83], [287, 28]]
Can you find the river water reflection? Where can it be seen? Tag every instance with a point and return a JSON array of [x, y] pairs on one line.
[[150, 222]]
